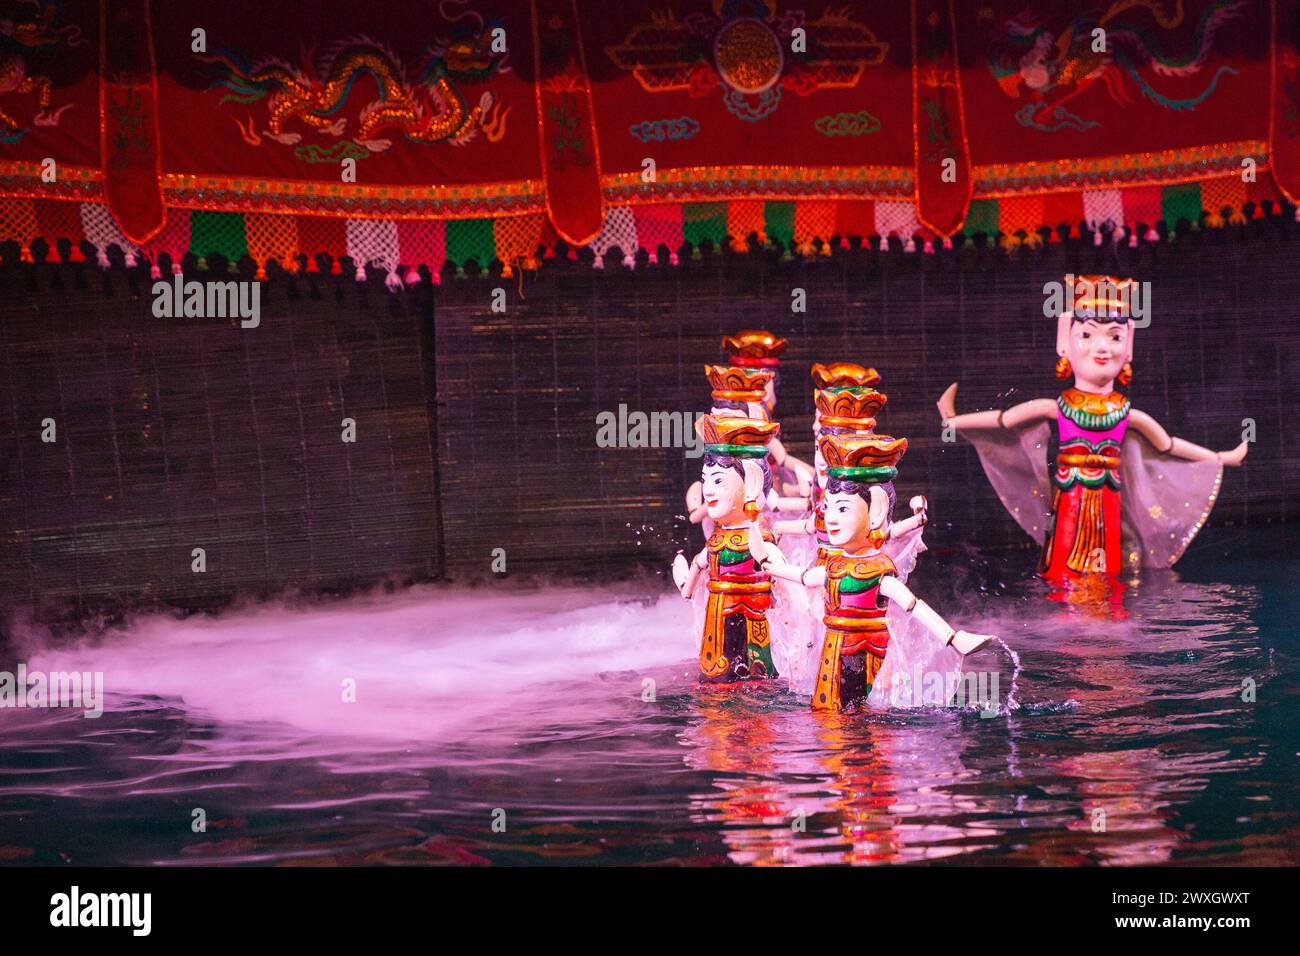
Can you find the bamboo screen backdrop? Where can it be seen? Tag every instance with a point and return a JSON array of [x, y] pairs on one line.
[[476, 430]]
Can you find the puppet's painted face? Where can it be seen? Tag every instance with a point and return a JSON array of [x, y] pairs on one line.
[[848, 518], [819, 462], [724, 493], [1097, 351]]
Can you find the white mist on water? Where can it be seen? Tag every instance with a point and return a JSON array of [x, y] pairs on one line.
[[424, 661]]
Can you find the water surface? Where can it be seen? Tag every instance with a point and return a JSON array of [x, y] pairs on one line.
[[571, 718]]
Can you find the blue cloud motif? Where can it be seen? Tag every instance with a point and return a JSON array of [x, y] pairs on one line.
[[666, 130]]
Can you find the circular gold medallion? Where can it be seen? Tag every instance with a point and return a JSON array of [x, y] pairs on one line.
[[748, 55]]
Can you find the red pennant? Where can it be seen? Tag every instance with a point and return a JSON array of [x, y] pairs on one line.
[[128, 119], [570, 151], [1284, 111], [944, 181]]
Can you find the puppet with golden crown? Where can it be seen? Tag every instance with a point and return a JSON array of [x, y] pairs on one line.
[[846, 403], [874, 626], [744, 621], [1122, 491], [739, 392]]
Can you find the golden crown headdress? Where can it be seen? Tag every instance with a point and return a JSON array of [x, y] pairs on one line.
[[871, 459], [1101, 298], [854, 408], [737, 384], [754, 348], [736, 437], [843, 375]]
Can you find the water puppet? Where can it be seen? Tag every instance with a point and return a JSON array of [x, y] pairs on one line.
[[760, 349], [1122, 492], [744, 621], [844, 406], [870, 617]]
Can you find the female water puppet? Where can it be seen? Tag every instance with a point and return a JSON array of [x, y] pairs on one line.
[[1118, 474], [874, 626], [745, 623]]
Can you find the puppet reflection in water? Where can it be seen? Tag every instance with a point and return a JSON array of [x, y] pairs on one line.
[[1123, 491], [1095, 781]]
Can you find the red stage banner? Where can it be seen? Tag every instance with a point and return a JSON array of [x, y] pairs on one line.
[[716, 115]]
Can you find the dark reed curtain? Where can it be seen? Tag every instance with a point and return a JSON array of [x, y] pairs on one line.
[[175, 434], [476, 429]]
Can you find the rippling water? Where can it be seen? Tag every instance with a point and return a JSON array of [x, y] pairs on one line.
[[570, 718]]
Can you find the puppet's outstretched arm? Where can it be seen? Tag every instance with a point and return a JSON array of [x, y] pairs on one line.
[[963, 641], [1017, 416], [1166, 444], [920, 516], [769, 559], [794, 525]]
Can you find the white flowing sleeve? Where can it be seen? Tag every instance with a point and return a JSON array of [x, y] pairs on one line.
[[904, 550], [699, 599], [917, 670], [788, 622]]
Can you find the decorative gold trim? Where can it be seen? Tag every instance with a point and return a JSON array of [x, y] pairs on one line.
[[734, 383], [735, 431], [840, 374], [1187, 164], [739, 587], [31, 169], [1200, 522], [1093, 404], [754, 344], [855, 451], [305, 197], [849, 406], [75, 183], [1087, 461], [761, 182], [855, 623]]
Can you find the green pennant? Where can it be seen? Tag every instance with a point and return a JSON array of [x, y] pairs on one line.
[[218, 233], [471, 239], [983, 216], [1181, 201], [778, 223], [704, 220]]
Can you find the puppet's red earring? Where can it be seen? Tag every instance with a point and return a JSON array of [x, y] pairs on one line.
[[1063, 369], [877, 538], [1126, 373], [751, 510]]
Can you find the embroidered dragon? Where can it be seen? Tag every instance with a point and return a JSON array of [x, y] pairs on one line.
[[1026, 58], [19, 39], [426, 105]]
